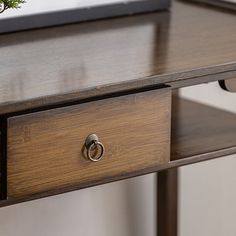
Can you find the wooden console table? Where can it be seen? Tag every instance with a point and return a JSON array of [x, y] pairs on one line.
[[116, 79]]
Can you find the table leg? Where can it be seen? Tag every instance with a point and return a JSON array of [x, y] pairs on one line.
[[167, 202]]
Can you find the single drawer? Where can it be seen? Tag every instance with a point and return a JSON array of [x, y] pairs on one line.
[[46, 150]]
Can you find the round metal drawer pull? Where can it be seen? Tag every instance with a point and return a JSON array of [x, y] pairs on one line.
[[92, 143]]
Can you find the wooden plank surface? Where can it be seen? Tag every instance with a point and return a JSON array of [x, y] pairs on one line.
[[46, 149], [195, 139], [200, 132], [62, 64]]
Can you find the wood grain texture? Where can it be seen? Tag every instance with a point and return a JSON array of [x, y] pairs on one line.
[[69, 63], [45, 148], [182, 153], [167, 193], [200, 131]]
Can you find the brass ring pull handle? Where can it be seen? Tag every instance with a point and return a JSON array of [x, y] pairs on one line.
[[92, 144]]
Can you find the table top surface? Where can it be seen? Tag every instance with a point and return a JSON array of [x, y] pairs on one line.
[[67, 63]]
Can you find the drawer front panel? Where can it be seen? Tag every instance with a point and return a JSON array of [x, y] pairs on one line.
[[46, 149]]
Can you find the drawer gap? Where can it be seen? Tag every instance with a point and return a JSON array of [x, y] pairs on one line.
[[3, 168]]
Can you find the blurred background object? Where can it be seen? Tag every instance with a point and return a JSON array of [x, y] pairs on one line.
[[228, 85], [228, 4], [42, 13]]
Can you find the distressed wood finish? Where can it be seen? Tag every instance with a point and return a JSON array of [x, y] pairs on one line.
[[69, 63], [45, 148]]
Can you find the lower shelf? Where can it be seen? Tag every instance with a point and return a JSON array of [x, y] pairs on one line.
[[201, 132]]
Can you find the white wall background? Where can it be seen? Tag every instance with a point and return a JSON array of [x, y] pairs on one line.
[[42, 6], [125, 208], [206, 207], [208, 189]]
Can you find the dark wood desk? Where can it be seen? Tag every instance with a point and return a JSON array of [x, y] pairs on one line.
[[114, 78]]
